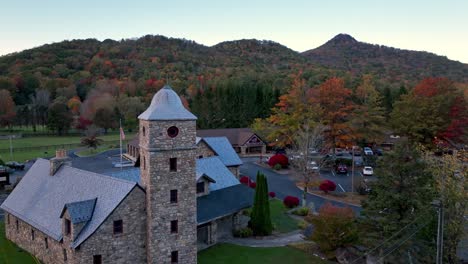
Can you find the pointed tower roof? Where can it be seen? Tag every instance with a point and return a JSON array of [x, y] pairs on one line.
[[166, 105]]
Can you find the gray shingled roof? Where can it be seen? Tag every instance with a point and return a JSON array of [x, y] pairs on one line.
[[223, 148], [223, 202], [215, 169], [39, 198], [166, 105], [236, 136], [80, 211]]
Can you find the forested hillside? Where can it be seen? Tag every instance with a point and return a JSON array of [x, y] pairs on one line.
[[81, 82], [386, 63]]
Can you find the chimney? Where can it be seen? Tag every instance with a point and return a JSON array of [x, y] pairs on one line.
[[60, 159]]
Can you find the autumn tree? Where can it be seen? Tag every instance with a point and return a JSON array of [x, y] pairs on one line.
[[294, 112], [7, 108], [368, 119], [39, 103], [336, 108], [334, 227], [59, 117], [434, 108]]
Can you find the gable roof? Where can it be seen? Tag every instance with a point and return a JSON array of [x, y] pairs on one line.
[[236, 136], [80, 211], [39, 198], [223, 202], [224, 150], [215, 169]]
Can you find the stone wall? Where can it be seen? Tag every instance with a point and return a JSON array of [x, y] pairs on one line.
[[22, 237], [235, 170], [204, 150], [128, 247], [156, 147]]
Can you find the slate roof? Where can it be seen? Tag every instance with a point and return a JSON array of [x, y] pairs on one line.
[[236, 136], [223, 202], [80, 211], [39, 198], [215, 169], [128, 174], [224, 150], [166, 105]]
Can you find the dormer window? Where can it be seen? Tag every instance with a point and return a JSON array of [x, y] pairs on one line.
[[201, 187], [67, 226]]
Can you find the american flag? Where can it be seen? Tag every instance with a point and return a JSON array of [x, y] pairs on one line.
[[122, 134]]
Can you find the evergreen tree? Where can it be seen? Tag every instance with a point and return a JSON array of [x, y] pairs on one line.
[[401, 197], [260, 216]]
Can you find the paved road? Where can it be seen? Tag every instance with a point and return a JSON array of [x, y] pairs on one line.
[[283, 185]]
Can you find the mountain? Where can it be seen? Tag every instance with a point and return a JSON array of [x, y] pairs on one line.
[[343, 52]]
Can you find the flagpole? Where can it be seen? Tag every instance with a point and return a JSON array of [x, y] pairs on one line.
[[120, 137]]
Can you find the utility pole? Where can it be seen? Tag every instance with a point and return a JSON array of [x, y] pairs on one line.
[[352, 171], [440, 234]]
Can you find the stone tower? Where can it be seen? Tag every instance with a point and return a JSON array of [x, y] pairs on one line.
[[167, 163]]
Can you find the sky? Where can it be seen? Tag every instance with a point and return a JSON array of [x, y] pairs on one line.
[[435, 26]]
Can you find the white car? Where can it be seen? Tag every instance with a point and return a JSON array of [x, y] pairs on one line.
[[313, 166], [368, 151], [367, 171]]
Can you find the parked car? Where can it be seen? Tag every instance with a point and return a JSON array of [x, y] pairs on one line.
[[379, 152], [368, 151], [313, 166], [15, 165], [341, 168], [367, 171]]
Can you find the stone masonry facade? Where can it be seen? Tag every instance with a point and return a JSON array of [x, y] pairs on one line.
[[156, 151], [112, 248]]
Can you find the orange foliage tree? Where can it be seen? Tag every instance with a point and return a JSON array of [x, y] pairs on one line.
[[336, 106]]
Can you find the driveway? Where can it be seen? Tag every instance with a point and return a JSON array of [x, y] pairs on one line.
[[283, 185]]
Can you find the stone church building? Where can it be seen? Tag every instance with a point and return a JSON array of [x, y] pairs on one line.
[[184, 196]]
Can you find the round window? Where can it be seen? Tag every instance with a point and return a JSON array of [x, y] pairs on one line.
[[172, 131]]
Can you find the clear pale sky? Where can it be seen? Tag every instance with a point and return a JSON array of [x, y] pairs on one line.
[[438, 26]]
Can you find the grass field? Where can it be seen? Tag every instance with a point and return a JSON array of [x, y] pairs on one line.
[[282, 222], [42, 145], [228, 253], [10, 253]]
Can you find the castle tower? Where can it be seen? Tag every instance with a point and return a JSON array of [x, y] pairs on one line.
[[167, 163]]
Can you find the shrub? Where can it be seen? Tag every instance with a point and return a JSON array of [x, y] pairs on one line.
[[291, 201], [327, 186], [334, 227], [272, 194], [302, 224], [301, 211], [245, 180], [2, 163], [277, 166], [278, 159], [243, 232], [252, 185]]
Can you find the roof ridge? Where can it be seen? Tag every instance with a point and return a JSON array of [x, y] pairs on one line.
[[99, 174]]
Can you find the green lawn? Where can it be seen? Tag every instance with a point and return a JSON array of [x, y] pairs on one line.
[[228, 253], [10, 253], [45, 143], [282, 222]]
